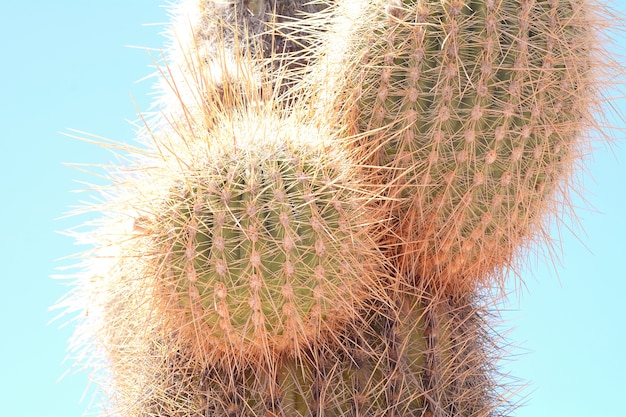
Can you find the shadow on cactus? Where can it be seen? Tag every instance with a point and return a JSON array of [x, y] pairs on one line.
[[215, 50]]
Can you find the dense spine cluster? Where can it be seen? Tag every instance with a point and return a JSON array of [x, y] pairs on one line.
[[472, 112], [248, 246], [421, 356], [325, 201], [263, 246], [224, 53]]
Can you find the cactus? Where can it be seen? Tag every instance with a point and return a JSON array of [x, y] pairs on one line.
[[258, 242], [474, 113], [320, 208], [216, 49], [418, 357], [248, 243]]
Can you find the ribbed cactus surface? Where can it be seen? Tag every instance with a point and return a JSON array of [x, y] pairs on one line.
[[264, 243], [248, 246], [416, 357], [472, 110], [323, 202]]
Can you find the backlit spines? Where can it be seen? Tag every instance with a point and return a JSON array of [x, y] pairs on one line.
[[254, 241], [235, 250], [262, 253], [320, 251], [474, 114], [223, 54]]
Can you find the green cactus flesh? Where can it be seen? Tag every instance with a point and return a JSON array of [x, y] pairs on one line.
[[260, 249], [255, 247], [418, 359], [259, 275], [474, 111]]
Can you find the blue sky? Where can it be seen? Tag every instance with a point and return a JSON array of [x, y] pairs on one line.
[[67, 64]]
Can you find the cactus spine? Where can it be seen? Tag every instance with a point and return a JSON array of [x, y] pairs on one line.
[[474, 112], [323, 249], [262, 244], [249, 246], [217, 48]]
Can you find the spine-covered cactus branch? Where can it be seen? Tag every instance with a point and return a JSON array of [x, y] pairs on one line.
[[473, 112], [325, 207]]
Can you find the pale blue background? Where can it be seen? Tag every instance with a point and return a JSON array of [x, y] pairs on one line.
[[66, 64]]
